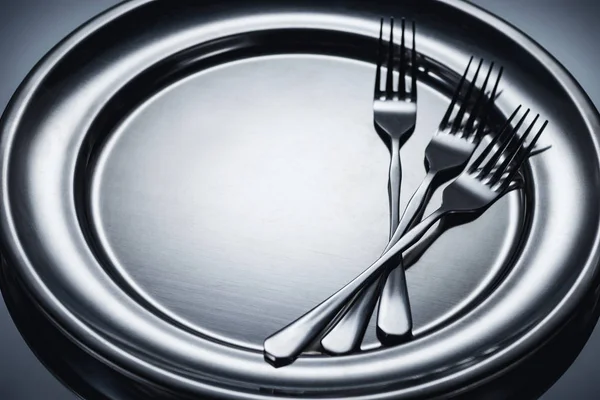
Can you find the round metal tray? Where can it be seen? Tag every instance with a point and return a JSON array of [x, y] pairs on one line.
[[181, 180]]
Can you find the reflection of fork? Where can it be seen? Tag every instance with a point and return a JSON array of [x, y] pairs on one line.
[[445, 157], [478, 187]]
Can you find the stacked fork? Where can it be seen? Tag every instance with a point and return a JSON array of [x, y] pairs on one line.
[[395, 117], [341, 320]]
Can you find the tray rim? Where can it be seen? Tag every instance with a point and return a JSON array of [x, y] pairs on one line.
[[38, 290]]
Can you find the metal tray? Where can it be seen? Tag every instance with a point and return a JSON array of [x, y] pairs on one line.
[[181, 180]]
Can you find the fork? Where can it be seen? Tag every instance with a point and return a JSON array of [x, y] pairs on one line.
[[395, 117], [477, 188], [446, 155]]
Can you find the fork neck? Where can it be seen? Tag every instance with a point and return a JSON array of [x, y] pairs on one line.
[[438, 176], [431, 178], [435, 178]]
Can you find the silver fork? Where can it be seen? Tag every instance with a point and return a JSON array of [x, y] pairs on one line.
[[395, 117], [477, 188], [451, 148], [445, 157]]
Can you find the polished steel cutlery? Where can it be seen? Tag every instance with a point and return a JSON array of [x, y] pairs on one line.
[[477, 188], [459, 133]]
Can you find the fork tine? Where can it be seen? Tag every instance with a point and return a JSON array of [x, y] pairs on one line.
[[520, 160], [477, 109], [402, 67], [379, 61], [446, 118], [465, 102], [510, 137], [493, 142], [389, 84], [488, 109], [511, 154], [415, 70]]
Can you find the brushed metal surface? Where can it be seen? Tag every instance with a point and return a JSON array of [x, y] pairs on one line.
[[68, 104]]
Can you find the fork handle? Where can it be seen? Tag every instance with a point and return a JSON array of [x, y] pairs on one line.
[[284, 346], [345, 337], [347, 334], [394, 319], [416, 205], [394, 182]]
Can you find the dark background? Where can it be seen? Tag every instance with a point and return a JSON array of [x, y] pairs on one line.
[[569, 29]]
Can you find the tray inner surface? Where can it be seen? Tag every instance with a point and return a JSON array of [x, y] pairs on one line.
[[234, 186]]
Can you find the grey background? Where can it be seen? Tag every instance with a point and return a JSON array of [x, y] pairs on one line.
[[569, 29]]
